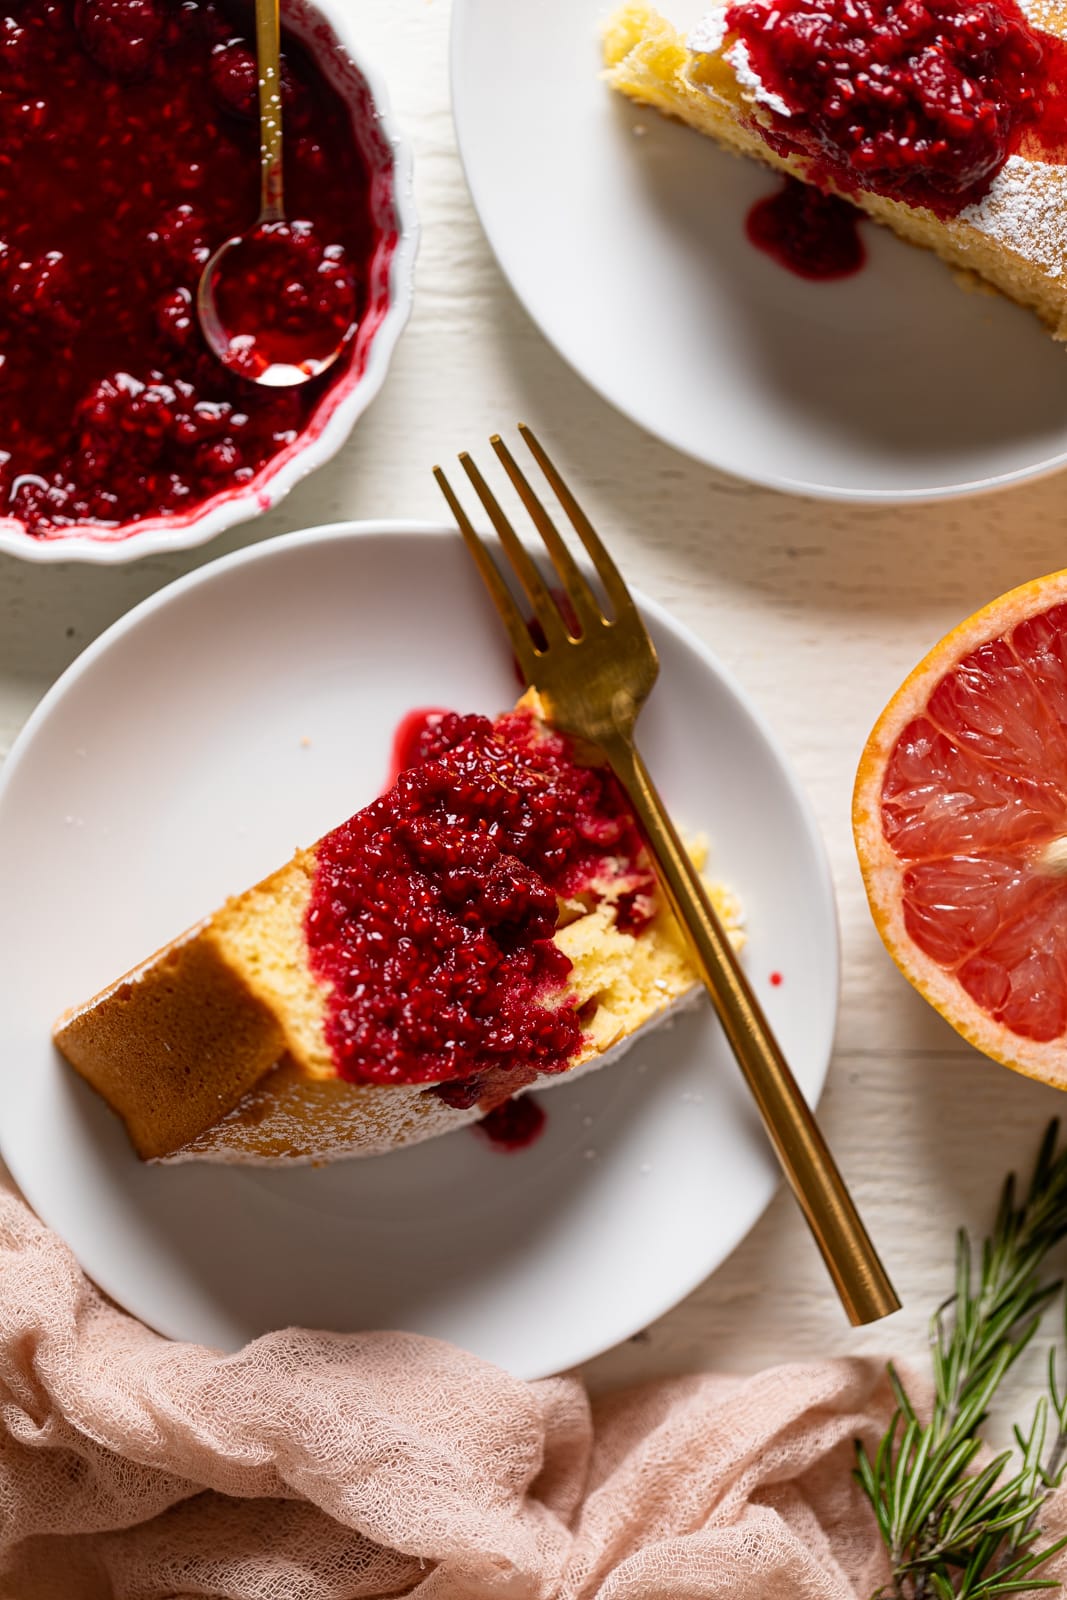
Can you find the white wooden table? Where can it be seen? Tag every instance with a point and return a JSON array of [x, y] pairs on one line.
[[820, 610]]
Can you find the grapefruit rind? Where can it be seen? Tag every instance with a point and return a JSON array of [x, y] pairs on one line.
[[882, 868]]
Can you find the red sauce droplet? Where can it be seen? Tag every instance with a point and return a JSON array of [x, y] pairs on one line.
[[284, 301], [920, 100], [432, 910], [776, 979], [129, 152], [414, 740], [813, 234], [513, 1126]]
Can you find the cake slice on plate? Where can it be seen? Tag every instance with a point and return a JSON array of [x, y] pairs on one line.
[[491, 923], [946, 120]]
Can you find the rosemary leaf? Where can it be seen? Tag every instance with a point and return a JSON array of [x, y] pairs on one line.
[[955, 1531]]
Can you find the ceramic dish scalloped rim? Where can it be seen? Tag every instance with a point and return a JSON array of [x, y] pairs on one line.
[[332, 423]]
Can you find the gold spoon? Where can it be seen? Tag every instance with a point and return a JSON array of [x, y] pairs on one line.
[[267, 258]]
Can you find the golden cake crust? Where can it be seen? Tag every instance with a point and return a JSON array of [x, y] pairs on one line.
[[150, 1044], [174, 1044]]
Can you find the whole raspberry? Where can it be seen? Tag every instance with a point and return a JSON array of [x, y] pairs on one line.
[[176, 318], [15, 52], [40, 290], [40, 503], [179, 238], [121, 35], [235, 83], [101, 414], [235, 78], [219, 460], [206, 420]]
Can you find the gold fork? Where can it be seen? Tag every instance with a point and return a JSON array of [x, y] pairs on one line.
[[594, 673]]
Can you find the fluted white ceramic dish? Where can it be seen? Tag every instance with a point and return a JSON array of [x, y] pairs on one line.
[[155, 779], [329, 29]]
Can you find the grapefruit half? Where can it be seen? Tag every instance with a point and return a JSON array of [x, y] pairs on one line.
[[960, 820]]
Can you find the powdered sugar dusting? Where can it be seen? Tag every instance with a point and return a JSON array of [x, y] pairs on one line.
[[749, 79], [1026, 211], [707, 39], [709, 33]]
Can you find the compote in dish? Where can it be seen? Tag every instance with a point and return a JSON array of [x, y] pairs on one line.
[[492, 922], [944, 119], [128, 152]]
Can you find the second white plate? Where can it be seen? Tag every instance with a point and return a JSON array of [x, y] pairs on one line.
[[245, 710], [624, 237]]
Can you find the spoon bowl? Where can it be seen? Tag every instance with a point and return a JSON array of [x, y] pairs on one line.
[[274, 305]]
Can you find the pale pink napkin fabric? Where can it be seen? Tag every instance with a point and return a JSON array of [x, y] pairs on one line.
[[316, 1466]]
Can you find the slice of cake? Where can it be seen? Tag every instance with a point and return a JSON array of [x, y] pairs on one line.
[[491, 923], [944, 119]]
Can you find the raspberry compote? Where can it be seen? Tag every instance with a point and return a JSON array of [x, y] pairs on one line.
[[283, 301], [433, 909], [812, 234], [919, 100], [515, 1125], [129, 151]]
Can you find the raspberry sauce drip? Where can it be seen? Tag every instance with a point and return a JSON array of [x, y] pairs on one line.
[[432, 910], [515, 1125], [918, 100], [812, 234], [129, 151], [415, 740]]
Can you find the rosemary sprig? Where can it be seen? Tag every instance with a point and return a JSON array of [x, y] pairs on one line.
[[956, 1530]]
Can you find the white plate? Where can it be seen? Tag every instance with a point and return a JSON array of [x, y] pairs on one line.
[[630, 254], [246, 709]]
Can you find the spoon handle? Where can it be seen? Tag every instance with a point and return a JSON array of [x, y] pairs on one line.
[[268, 54]]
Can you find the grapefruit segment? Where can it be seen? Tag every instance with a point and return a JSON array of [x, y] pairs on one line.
[[960, 819]]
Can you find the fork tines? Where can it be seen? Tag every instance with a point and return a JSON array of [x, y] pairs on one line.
[[586, 608]]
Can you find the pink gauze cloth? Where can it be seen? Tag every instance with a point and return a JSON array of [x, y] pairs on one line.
[[320, 1466]]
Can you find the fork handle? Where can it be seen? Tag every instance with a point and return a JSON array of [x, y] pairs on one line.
[[858, 1274]]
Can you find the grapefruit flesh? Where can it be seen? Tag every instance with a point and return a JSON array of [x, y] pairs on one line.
[[961, 827]]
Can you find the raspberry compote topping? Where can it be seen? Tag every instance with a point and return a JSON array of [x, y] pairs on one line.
[[129, 151], [919, 100], [433, 909]]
